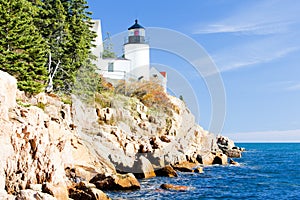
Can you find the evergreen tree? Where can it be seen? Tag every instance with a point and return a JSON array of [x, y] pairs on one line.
[[87, 81], [22, 48], [65, 25], [53, 27], [79, 41]]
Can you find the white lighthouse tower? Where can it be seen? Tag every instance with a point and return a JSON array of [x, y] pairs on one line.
[[137, 51]]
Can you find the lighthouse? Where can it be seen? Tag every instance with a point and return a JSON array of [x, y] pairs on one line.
[[136, 49]]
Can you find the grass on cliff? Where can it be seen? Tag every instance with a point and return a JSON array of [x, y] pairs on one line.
[[132, 94], [151, 94], [23, 104]]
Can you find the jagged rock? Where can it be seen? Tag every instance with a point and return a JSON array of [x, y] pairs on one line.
[[5, 196], [31, 194], [79, 195], [105, 114], [166, 171], [35, 187], [175, 156], [88, 194], [199, 159], [87, 172], [8, 90], [59, 191], [83, 185], [42, 98], [164, 138], [98, 194], [156, 143], [140, 108], [156, 158], [212, 158], [225, 142], [208, 158], [143, 116], [53, 113], [152, 119], [228, 147], [220, 159], [232, 162], [123, 163], [5, 153], [116, 182], [130, 149], [66, 114], [173, 187], [143, 168], [39, 144], [234, 153], [145, 148], [73, 175], [185, 167], [190, 143], [193, 157], [199, 170]]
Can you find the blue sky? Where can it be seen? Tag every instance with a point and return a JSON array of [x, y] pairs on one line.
[[255, 45]]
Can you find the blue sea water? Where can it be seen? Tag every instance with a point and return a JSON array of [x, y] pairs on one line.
[[267, 171]]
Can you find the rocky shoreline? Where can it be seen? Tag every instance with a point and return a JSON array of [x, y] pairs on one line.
[[54, 150]]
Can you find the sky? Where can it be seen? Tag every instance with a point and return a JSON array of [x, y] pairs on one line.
[[254, 45]]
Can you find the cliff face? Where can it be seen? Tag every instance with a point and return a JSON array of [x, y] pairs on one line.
[[125, 132], [39, 142], [42, 139]]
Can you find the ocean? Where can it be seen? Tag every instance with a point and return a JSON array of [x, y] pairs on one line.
[[266, 171]]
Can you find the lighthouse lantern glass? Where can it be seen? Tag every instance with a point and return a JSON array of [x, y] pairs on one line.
[[136, 32]]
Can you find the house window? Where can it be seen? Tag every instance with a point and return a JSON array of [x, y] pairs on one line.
[[111, 67]]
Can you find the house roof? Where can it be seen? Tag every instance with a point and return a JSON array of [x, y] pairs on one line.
[[163, 73], [135, 25]]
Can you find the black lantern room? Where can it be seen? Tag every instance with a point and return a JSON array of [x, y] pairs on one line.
[[136, 33]]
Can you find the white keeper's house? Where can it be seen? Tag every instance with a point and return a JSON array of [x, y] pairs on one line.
[[134, 64]]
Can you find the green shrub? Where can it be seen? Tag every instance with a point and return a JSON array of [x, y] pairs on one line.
[[23, 104], [41, 105]]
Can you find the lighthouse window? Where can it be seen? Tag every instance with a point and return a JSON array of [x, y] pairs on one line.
[[111, 67], [136, 32]]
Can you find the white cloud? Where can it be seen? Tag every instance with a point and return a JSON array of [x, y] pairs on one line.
[[266, 17], [270, 31], [295, 86], [285, 85], [250, 28], [266, 136], [246, 56]]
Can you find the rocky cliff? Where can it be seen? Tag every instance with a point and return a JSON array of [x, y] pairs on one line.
[[39, 141], [51, 149]]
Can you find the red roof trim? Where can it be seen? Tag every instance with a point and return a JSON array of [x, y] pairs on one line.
[[163, 73]]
